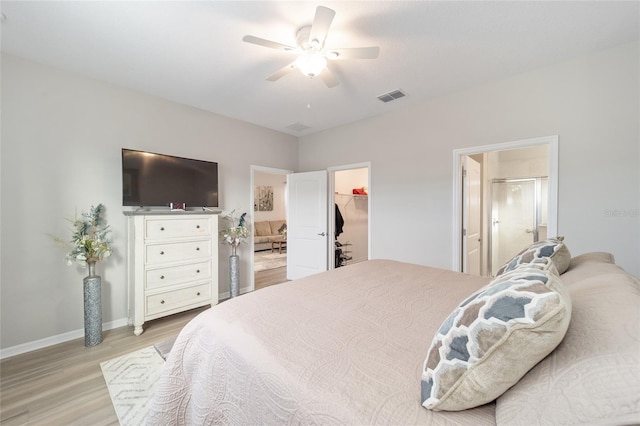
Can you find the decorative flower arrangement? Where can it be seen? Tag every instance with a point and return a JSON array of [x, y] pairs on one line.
[[236, 232], [89, 240]]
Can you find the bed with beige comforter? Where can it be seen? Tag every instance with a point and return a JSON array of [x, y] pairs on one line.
[[348, 347]]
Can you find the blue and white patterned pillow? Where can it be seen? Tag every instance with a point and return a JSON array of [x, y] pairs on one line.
[[494, 337], [552, 248]]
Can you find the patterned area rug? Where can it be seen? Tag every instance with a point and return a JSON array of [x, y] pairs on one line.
[[267, 260], [131, 379]]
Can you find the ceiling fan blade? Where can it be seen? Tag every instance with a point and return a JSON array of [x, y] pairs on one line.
[[282, 72], [354, 53], [329, 79], [268, 43], [321, 23]]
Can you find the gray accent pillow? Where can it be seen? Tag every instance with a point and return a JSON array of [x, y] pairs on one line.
[[494, 337]]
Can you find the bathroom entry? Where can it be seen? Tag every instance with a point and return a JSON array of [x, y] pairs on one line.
[[518, 217], [517, 201]]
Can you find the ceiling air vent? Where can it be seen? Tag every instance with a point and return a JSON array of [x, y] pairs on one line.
[[298, 127], [392, 96]]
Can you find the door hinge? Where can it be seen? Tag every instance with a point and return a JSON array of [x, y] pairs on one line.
[[464, 232]]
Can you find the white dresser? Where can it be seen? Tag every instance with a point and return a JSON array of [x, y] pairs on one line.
[[172, 264]]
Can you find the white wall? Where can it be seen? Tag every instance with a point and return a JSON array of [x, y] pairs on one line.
[[590, 102], [61, 141]]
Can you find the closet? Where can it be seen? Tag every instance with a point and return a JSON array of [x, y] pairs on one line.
[[352, 216]]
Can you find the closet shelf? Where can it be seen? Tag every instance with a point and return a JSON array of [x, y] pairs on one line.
[[350, 198], [352, 195]]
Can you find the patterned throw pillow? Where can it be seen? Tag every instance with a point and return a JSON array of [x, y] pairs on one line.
[[494, 337], [552, 248]]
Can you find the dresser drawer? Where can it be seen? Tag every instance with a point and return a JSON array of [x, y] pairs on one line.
[[162, 277], [176, 299], [175, 252], [172, 228]]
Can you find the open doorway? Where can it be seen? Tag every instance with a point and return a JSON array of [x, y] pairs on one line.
[[317, 224], [351, 221], [349, 218], [310, 220], [504, 206], [516, 203], [269, 226]]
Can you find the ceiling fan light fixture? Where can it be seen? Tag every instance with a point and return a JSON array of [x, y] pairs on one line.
[[311, 64], [310, 49]]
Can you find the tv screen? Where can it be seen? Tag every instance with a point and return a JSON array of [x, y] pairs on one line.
[[154, 180]]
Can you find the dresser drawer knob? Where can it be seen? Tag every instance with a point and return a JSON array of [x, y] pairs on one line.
[[161, 252], [198, 226], [198, 293], [197, 271], [162, 277], [162, 228], [197, 248], [162, 302]]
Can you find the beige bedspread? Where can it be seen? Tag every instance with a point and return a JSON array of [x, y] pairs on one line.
[[341, 347]]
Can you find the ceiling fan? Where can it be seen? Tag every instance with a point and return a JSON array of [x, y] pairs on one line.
[[310, 49]]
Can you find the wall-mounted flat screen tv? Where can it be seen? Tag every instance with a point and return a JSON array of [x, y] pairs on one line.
[[157, 180]]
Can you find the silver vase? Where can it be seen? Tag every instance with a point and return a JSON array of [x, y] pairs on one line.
[[234, 274], [92, 307]]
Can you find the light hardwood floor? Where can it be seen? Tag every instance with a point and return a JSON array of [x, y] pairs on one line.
[[270, 277], [63, 384]]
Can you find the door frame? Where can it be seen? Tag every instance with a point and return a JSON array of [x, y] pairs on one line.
[[331, 209], [252, 170], [552, 215]]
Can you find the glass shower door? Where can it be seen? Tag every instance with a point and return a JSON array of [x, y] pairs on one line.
[[514, 220]]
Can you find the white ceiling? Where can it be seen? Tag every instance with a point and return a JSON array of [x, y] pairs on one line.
[[192, 52]]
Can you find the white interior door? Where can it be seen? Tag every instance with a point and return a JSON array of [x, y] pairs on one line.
[[471, 217], [307, 235]]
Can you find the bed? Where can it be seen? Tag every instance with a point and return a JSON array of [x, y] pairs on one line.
[[349, 347]]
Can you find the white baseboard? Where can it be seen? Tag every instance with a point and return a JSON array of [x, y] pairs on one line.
[[54, 340], [76, 334]]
